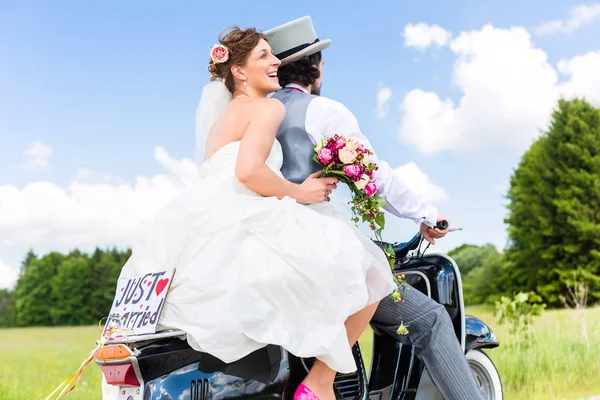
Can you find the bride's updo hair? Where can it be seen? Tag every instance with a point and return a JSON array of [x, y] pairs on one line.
[[240, 43]]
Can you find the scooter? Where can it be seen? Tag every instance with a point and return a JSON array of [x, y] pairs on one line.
[[163, 366]]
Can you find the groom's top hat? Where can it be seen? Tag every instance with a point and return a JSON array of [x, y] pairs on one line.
[[294, 40]]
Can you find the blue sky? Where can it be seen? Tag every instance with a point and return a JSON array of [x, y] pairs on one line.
[[101, 84]]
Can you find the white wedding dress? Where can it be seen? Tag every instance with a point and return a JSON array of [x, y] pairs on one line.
[[253, 270]]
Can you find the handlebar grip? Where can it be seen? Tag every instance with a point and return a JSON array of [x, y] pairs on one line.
[[443, 224]]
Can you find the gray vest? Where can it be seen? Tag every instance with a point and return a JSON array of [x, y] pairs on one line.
[[297, 148]]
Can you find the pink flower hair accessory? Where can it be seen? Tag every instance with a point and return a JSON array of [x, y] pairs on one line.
[[219, 54]]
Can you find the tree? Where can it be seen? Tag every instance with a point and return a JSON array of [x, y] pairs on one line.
[[483, 272], [28, 260], [487, 283], [554, 218], [105, 271], [469, 256], [34, 291], [71, 290], [8, 315]]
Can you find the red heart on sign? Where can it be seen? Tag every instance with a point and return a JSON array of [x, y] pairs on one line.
[[149, 283], [141, 305], [122, 289], [160, 286], [124, 309]]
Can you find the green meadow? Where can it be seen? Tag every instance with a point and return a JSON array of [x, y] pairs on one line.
[[557, 366]]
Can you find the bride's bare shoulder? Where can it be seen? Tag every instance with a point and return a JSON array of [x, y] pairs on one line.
[[262, 107]]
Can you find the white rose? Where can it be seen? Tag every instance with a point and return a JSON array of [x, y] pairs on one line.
[[320, 145], [366, 159], [352, 144], [362, 182], [347, 156]]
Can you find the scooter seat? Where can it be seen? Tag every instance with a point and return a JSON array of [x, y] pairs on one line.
[[401, 250], [164, 356]]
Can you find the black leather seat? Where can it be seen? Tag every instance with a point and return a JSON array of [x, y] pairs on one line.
[[401, 250]]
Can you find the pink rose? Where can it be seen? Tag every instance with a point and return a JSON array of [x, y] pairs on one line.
[[340, 143], [219, 54], [370, 189], [331, 144], [347, 156], [353, 170], [325, 156]]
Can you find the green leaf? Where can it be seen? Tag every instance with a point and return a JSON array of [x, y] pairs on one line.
[[379, 201], [380, 220]]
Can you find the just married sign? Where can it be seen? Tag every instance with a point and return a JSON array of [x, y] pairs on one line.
[[138, 302]]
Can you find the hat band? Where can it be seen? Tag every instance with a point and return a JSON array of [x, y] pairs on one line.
[[294, 50]]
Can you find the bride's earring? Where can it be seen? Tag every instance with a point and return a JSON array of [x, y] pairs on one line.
[[244, 82]]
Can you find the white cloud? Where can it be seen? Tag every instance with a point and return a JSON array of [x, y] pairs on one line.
[[508, 92], [91, 176], [421, 36], [44, 216], [383, 98], [420, 183], [581, 15], [37, 156], [8, 275], [584, 73], [183, 171]]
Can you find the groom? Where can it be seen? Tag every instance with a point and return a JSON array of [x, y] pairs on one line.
[[311, 117]]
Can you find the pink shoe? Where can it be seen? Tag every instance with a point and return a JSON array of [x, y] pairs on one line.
[[304, 393]]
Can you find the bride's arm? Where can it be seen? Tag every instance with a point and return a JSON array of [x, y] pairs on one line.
[[257, 141]]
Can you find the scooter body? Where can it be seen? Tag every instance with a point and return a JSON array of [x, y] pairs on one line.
[[163, 366]]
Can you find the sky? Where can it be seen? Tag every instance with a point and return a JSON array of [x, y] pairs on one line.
[[97, 104]]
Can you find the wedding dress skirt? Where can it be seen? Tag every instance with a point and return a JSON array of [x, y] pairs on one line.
[[253, 270]]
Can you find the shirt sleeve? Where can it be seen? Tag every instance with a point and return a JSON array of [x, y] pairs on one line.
[[326, 117]]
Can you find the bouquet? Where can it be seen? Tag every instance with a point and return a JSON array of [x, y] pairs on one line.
[[350, 162]]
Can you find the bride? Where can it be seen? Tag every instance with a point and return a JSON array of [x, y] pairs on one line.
[[260, 260]]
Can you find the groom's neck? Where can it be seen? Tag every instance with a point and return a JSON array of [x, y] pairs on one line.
[[307, 88]]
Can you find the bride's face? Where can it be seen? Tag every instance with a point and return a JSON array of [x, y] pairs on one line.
[[261, 69]]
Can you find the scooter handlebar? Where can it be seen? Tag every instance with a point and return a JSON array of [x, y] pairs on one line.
[[442, 224]]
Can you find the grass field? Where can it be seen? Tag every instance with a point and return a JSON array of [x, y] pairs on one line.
[[558, 366]]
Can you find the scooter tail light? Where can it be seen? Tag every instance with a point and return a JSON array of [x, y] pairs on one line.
[[113, 352], [120, 375]]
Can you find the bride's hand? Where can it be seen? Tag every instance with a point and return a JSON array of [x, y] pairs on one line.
[[315, 189]]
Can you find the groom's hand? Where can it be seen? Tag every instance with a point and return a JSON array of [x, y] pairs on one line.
[[430, 234], [316, 189]]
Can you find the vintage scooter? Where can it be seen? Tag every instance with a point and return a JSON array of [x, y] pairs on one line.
[[163, 366]]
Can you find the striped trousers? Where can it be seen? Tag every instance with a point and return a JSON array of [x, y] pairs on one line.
[[430, 330]]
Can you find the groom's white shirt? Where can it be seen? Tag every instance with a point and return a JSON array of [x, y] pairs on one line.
[[326, 117]]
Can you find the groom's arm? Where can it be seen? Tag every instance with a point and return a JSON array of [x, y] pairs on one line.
[[326, 117]]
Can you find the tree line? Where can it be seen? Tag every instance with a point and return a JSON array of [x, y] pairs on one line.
[[553, 227], [58, 289]]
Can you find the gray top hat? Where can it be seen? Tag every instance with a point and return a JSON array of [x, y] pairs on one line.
[[295, 39]]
